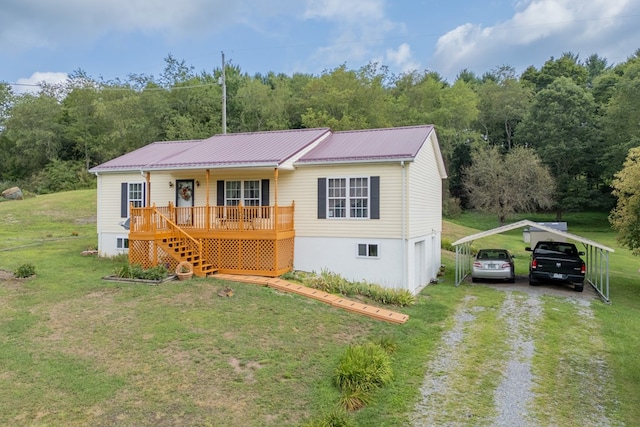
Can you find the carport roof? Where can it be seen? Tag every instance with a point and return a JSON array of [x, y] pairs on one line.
[[525, 223]]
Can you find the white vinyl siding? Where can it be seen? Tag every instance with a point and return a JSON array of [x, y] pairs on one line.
[[301, 186], [424, 194]]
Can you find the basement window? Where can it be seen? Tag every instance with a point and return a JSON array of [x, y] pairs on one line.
[[367, 250], [122, 243]]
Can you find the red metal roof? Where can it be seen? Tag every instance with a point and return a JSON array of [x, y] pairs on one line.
[[271, 149], [140, 158], [237, 149], [369, 145]]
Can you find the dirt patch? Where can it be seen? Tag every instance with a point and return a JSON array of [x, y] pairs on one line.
[[245, 370], [6, 275]]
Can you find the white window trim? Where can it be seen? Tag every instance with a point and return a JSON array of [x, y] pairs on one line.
[[348, 216], [367, 246], [129, 199], [123, 239], [242, 191]]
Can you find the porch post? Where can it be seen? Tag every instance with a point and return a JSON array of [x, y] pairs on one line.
[[207, 209], [275, 176], [148, 189]]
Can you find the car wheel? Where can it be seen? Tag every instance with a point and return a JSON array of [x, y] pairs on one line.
[[474, 280], [579, 288], [512, 280], [532, 282]]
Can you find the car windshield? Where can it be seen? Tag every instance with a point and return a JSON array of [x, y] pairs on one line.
[[492, 255], [561, 248]]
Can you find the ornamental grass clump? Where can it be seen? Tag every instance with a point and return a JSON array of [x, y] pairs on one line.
[[362, 369], [336, 418]]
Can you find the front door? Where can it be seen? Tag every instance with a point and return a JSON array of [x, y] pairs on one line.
[[184, 201]]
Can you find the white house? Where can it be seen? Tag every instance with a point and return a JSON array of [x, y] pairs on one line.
[[365, 204]]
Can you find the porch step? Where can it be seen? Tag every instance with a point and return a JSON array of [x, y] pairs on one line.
[[179, 251]]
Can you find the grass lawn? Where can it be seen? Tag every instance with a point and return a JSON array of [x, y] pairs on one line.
[[79, 350]]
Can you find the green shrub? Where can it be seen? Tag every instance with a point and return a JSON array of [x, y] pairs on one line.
[[352, 400], [336, 418], [25, 270], [363, 368], [335, 284], [447, 246], [135, 271], [385, 342]]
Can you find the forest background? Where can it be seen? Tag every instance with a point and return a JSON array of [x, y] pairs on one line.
[[577, 118]]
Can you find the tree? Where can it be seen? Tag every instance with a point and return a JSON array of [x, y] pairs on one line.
[[561, 127], [567, 66], [502, 185], [502, 105], [621, 124], [625, 217]]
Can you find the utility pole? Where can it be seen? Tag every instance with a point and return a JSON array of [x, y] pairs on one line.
[[224, 98]]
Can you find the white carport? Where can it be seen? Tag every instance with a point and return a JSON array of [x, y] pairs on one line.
[[597, 255]]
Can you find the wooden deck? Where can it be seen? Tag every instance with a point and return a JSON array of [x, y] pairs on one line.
[[333, 300], [227, 239]]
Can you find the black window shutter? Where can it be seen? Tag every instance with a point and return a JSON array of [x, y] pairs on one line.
[[322, 198], [264, 193], [124, 199], [220, 195], [374, 183]]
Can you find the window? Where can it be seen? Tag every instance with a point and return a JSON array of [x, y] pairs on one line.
[[136, 194], [336, 197], [355, 197], [367, 250], [245, 192], [122, 243], [131, 192], [359, 197]]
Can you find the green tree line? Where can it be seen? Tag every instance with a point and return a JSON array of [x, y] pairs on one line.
[[577, 118]]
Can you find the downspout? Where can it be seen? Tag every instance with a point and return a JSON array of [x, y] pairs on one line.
[[404, 226], [99, 212]]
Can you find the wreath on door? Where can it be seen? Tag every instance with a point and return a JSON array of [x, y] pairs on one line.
[[185, 192]]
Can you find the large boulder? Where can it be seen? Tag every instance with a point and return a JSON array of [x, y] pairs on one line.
[[13, 193]]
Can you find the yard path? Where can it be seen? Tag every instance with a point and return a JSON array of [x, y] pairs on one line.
[[444, 402]]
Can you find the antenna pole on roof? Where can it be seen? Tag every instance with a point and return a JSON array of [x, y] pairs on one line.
[[224, 98]]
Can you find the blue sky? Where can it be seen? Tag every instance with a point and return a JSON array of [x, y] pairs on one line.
[[45, 40]]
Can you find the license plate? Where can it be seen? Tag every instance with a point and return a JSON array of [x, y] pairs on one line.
[[491, 265], [557, 276]]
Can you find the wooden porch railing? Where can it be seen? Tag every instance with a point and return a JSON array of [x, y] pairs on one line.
[[212, 218]]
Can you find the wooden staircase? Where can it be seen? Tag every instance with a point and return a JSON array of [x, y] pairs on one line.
[[182, 249]]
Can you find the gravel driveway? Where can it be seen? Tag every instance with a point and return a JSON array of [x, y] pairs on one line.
[[521, 309]]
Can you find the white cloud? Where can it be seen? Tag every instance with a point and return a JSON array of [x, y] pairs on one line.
[[31, 84], [358, 27], [539, 29], [26, 24], [402, 58]]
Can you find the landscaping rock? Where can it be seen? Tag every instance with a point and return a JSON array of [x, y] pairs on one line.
[[13, 193]]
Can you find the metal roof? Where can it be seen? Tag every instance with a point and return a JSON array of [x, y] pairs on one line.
[[140, 158], [285, 149], [256, 149], [402, 143], [525, 223]]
